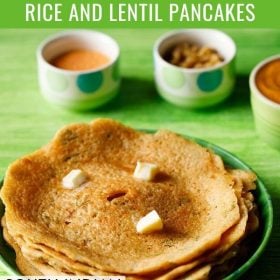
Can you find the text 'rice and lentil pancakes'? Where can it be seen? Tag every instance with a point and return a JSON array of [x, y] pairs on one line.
[[104, 199]]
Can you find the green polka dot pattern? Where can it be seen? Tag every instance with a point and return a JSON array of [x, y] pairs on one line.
[[209, 81], [173, 77], [90, 83], [57, 81]]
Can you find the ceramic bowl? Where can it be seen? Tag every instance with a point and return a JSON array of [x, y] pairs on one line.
[[78, 90], [195, 88], [266, 112]]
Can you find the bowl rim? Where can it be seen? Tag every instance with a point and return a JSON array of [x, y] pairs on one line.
[[73, 32], [252, 82], [169, 34], [223, 153]]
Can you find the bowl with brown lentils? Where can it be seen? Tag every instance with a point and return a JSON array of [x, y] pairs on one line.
[[194, 68]]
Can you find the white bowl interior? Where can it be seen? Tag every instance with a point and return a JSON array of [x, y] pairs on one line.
[[203, 37], [75, 40]]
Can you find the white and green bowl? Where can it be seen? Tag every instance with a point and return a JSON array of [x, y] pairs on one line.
[[78, 90], [195, 88], [266, 112]]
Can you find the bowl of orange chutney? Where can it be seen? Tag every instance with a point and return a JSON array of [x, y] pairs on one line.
[[79, 69], [265, 99]]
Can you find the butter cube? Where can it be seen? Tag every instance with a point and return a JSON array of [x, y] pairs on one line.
[[149, 223], [145, 171], [74, 179]]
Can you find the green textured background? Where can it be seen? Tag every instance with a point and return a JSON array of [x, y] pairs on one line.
[[28, 122]]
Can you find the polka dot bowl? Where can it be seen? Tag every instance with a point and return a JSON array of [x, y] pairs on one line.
[[190, 87], [83, 89]]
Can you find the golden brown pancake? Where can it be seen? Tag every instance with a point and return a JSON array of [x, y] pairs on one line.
[[229, 239], [23, 265], [178, 271], [198, 274], [191, 196], [91, 230]]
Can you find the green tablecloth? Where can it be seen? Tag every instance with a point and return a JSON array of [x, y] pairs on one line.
[[28, 122]]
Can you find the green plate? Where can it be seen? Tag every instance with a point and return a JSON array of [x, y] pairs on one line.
[[7, 255]]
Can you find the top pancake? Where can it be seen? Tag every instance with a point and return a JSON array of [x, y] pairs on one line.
[[96, 223]]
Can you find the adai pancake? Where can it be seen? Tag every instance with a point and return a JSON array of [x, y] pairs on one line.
[[95, 224], [198, 274], [38, 252], [23, 265], [232, 236]]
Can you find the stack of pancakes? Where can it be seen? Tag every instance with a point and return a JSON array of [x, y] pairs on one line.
[[206, 209]]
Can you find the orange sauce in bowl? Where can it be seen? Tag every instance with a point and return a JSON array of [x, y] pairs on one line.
[[268, 80], [77, 60]]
